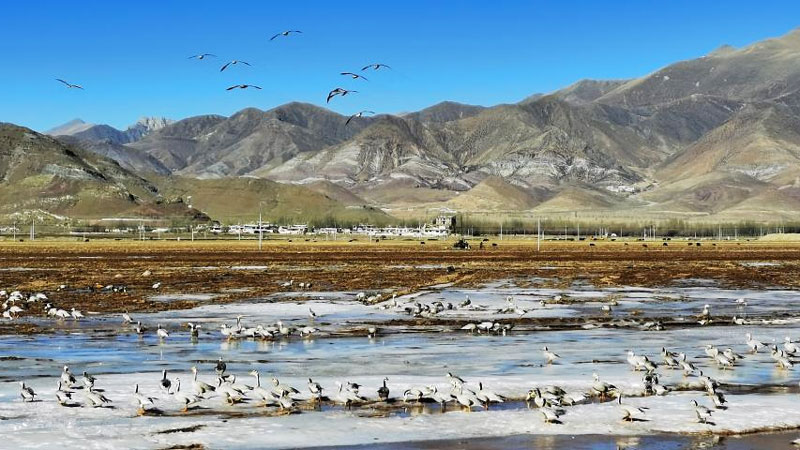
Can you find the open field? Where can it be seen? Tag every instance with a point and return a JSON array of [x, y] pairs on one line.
[[235, 270]]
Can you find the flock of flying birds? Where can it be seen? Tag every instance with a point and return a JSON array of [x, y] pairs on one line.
[[338, 91]]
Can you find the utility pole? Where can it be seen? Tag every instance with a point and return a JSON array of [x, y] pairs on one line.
[[538, 233]]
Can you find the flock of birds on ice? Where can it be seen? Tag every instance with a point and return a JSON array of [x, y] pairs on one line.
[[550, 401], [338, 91]]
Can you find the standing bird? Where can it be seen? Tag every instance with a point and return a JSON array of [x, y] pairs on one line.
[[202, 56], [162, 333], [221, 367], [285, 34], [383, 391], [311, 314], [549, 356], [165, 382], [77, 315], [375, 66], [315, 389], [338, 91], [233, 63], [358, 115], [194, 330], [88, 380], [354, 76], [70, 85], [243, 86], [26, 392], [126, 318], [67, 378]]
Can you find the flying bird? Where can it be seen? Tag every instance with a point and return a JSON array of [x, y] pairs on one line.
[[375, 66], [242, 86], [338, 91], [358, 115], [354, 76], [203, 56], [285, 33], [69, 85], [233, 63]]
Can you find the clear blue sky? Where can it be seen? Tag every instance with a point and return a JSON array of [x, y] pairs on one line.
[[131, 56]]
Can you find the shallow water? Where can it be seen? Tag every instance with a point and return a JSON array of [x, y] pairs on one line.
[[760, 394]]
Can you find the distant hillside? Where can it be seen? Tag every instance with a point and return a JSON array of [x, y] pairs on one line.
[[105, 133], [715, 136]]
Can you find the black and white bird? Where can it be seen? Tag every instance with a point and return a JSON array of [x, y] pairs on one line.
[[26, 392], [358, 115], [203, 56], [70, 85], [285, 34], [354, 76], [221, 367], [243, 86], [383, 391], [233, 63], [375, 66], [339, 91]]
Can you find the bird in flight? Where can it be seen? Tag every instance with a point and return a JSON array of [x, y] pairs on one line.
[[354, 76], [338, 91], [203, 56], [70, 85], [358, 115], [285, 33], [242, 86], [233, 63], [375, 66]]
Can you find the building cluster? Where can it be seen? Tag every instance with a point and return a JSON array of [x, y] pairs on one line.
[[440, 227]]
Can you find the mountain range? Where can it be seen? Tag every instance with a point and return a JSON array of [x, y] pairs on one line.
[[711, 138]]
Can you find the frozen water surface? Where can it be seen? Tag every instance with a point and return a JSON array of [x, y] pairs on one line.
[[760, 395]]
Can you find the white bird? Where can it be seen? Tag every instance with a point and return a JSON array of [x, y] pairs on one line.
[[549, 356], [162, 333], [487, 396], [187, 400], [67, 378], [316, 389], [96, 399], [63, 397], [753, 344], [88, 380], [630, 413], [26, 392], [601, 387], [789, 346], [76, 314], [126, 318], [142, 400], [202, 56], [201, 388], [703, 413], [550, 415], [157, 285], [312, 314]]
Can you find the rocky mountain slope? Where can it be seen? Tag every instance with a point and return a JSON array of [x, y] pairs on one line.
[[705, 137]]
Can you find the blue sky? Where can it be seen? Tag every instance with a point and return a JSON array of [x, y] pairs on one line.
[[132, 56]]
